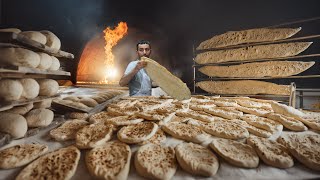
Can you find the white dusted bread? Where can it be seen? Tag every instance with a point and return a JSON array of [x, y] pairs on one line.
[[155, 161], [59, 164], [31, 88], [45, 61], [39, 117], [46, 103], [19, 57], [13, 124], [48, 87], [52, 40], [55, 64], [20, 155], [14, 30], [10, 89], [109, 161], [35, 35], [22, 110]]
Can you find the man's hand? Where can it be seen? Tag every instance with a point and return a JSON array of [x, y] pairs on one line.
[[127, 78], [140, 65]]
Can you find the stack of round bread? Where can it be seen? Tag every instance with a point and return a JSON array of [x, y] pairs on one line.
[[27, 58], [202, 144]]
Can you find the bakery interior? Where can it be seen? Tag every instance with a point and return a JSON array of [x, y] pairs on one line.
[[237, 95]]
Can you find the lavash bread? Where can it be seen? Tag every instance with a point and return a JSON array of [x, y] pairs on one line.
[[231, 38], [244, 87], [59, 164], [93, 135], [45, 61], [48, 87], [258, 69], [196, 159], [46, 103], [10, 90], [35, 35], [186, 132], [252, 52], [19, 57], [13, 124], [137, 133], [39, 117], [14, 30], [109, 161], [271, 152], [22, 110], [155, 161], [55, 64], [68, 130], [52, 40], [169, 83], [236, 153], [31, 88], [20, 155]]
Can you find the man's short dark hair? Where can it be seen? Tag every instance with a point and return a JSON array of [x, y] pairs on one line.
[[143, 42]]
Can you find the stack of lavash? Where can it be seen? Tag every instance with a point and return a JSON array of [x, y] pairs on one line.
[[226, 51]]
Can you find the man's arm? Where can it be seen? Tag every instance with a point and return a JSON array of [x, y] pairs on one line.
[[127, 78]]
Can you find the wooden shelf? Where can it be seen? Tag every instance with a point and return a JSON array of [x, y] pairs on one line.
[[21, 72], [4, 104], [10, 39]]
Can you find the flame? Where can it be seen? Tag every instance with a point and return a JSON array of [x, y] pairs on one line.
[[112, 36]]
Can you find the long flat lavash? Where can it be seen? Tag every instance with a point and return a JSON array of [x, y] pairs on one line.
[[169, 83], [244, 87], [248, 36], [252, 52], [258, 69]]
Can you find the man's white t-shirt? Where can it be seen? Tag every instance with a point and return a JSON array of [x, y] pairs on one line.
[[140, 84]]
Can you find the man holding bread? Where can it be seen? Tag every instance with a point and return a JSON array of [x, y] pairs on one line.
[[135, 76]]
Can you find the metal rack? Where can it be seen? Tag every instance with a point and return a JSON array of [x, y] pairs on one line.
[[290, 99]]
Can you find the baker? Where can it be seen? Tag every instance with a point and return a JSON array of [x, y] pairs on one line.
[[135, 76]]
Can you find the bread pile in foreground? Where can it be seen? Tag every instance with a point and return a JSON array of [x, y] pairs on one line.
[[231, 47], [242, 131]]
